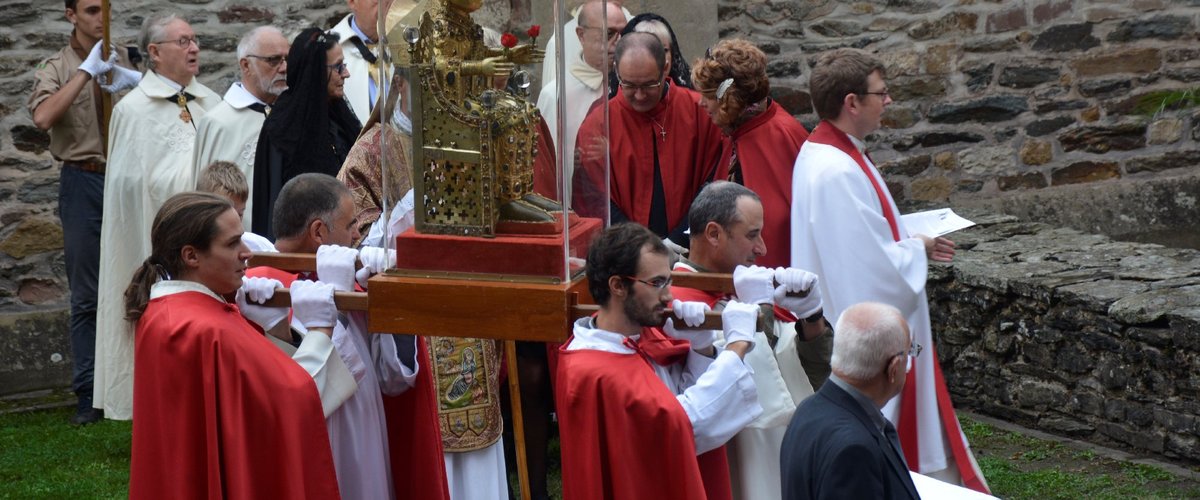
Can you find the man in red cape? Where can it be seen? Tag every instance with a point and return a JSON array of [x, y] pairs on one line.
[[662, 146], [414, 451], [636, 403]]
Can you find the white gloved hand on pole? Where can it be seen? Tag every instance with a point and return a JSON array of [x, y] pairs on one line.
[[95, 64], [739, 322], [335, 266], [374, 261], [312, 304], [255, 291], [754, 284], [122, 79], [793, 280]]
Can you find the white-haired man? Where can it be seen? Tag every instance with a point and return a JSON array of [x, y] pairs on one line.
[[151, 139], [359, 32], [839, 445], [230, 131]]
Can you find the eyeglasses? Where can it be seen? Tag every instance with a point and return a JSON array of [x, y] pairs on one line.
[[612, 33], [631, 87], [183, 42], [272, 61], [884, 94], [914, 350], [339, 67], [658, 283]]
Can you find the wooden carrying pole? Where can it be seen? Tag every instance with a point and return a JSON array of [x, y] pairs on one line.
[[106, 102]]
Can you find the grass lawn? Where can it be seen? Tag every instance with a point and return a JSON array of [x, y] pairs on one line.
[[43, 457]]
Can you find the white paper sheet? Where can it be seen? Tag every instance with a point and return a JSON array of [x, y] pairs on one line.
[[932, 489], [934, 223]]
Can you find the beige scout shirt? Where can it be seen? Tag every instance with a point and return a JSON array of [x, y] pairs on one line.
[[78, 135]]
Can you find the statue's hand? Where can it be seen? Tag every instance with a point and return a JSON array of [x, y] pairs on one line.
[[526, 54], [496, 66]]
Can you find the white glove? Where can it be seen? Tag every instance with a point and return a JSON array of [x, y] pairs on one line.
[[739, 321], [122, 79], [374, 260], [403, 215], [699, 339], [797, 281], [754, 284], [95, 64], [335, 266], [259, 290], [312, 304], [692, 313]]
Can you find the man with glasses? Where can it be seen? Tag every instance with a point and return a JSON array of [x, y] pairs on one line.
[[637, 398], [583, 82], [65, 102], [662, 146], [839, 445], [847, 229], [153, 134], [230, 131], [572, 45], [359, 32]]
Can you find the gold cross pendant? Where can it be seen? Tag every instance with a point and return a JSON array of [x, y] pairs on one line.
[[184, 114]]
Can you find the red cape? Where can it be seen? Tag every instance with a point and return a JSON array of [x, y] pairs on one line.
[[414, 437], [624, 435], [687, 156], [767, 146], [219, 412]]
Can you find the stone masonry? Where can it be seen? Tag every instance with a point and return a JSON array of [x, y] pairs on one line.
[[1073, 333], [996, 97]]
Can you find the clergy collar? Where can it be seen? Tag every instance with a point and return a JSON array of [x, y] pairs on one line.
[[858, 143], [172, 287], [239, 98], [590, 77], [358, 32], [155, 85], [867, 405], [587, 336]]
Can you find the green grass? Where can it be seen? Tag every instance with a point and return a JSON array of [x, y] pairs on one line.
[[41, 456], [1019, 467]]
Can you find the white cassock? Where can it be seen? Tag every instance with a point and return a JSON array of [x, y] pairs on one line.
[[150, 160], [781, 384], [572, 49], [718, 394], [361, 87], [358, 429], [477, 474], [229, 132], [582, 86], [839, 232]]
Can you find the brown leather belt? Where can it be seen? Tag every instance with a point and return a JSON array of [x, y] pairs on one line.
[[86, 166]]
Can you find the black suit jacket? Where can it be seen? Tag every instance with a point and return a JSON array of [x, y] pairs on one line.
[[833, 450]]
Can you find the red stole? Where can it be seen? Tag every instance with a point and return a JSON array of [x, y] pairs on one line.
[[826, 133]]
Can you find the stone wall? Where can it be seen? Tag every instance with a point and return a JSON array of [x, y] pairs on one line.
[[1074, 334], [998, 97]]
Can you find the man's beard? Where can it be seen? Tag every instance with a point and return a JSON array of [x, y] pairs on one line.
[[267, 84], [643, 315]]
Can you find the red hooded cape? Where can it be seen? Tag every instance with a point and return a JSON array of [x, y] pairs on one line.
[[687, 156], [624, 435], [220, 412], [767, 146]]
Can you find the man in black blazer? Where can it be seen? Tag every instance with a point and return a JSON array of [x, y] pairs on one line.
[[839, 445]]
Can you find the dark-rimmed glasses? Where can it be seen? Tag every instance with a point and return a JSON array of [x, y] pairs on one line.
[[657, 283], [610, 35], [183, 42], [339, 67], [272, 61]]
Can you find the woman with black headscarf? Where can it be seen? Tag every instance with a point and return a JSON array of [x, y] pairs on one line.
[[678, 69], [311, 127]]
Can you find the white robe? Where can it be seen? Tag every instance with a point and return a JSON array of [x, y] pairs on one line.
[[358, 429], [781, 384], [718, 394], [478, 474], [358, 85], [572, 49], [150, 160], [229, 132], [840, 233], [578, 96]]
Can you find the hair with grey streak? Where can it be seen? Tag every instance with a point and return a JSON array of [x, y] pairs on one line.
[[868, 335], [249, 43], [154, 28], [717, 202]]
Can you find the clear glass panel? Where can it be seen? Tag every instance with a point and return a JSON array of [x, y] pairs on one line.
[[474, 130]]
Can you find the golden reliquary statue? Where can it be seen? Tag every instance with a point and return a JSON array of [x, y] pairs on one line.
[[475, 144]]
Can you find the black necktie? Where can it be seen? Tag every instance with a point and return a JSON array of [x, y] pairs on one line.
[[261, 108], [889, 431], [362, 49], [658, 199]]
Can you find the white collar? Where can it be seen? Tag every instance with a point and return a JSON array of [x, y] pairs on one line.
[[858, 143], [171, 287], [239, 98], [587, 336], [156, 85], [358, 32]]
